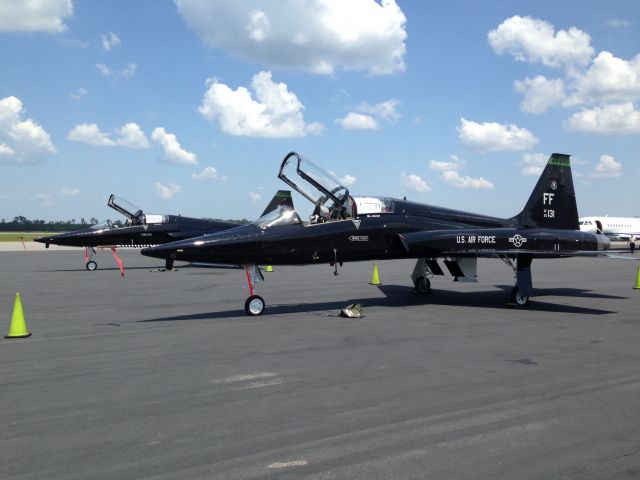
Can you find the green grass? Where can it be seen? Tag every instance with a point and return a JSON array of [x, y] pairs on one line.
[[21, 236]]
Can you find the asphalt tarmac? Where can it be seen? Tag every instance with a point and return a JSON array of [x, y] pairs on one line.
[[161, 375]]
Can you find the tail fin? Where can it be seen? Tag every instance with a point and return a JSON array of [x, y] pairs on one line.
[[282, 197], [553, 201]]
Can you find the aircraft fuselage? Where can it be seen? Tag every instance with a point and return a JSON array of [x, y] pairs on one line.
[[373, 236]]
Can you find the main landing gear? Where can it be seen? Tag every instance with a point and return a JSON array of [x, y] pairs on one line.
[[422, 285], [520, 294], [255, 304], [420, 277], [518, 298]]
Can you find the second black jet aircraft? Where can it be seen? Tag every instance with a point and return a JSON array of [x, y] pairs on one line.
[[344, 228], [139, 230]]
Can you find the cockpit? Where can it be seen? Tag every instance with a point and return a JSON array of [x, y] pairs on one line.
[[330, 199], [135, 215]]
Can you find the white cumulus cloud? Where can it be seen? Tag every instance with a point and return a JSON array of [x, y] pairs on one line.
[[208, 173], [317, 36], [22, 140], [453, 177], [540, 93], [34, 15], [533, 163], [79, 94], [274, 113], [609, 78], [414, 183], [358, 121], [172, 149], [385, 110], [493, 137], [167, 191], [607, 167], [533, 40], [348, 180], [453, 164], [129, 135], [45, 199], [6, 150], [109, 41], [366, 115], [255, 197], [621, 118], [617, 23], [70, 191], [125, 72]]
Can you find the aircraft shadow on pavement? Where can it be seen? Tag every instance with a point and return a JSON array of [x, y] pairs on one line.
[[402, 296]]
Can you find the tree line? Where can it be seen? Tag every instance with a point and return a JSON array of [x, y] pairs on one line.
[[23, 224]]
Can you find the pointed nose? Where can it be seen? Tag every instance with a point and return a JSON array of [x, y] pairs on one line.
[[45, 240], [161, 251]]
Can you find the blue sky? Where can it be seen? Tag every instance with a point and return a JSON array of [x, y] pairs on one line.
[[189, 107]]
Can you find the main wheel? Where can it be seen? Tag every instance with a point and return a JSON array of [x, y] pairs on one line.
[[91, 265], [423, 285], [254, 305], [518, 298]]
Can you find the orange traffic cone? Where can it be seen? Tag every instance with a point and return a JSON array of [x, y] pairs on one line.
[[18, 328]]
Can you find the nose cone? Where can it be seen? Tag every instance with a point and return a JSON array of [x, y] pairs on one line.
[[230, 246], [168, 250], [46, 240], [70, 239]]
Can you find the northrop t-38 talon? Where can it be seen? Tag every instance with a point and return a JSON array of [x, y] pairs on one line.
[[140, 230], [345, 227]]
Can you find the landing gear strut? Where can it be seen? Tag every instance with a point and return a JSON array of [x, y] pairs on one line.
[[254, 305], [90, 264]]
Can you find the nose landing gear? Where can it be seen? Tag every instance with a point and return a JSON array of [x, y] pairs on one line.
[[255, 304]]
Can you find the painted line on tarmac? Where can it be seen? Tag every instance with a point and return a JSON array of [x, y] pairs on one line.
[[293, 463], [245, 378]]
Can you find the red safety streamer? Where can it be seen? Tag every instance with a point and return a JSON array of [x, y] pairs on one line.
[[246, 270], [86, 254], [118, 260]]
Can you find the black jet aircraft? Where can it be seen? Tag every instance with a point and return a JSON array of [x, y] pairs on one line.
[[139, 230], [345, 227]]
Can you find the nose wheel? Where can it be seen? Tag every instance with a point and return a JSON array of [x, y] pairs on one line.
[[254, 305], [91, 265]]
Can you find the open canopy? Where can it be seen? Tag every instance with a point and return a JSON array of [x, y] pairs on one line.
[[134, 214], [318, 186]]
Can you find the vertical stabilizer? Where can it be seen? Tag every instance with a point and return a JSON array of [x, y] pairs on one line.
[[282, 197], [553, 201]]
